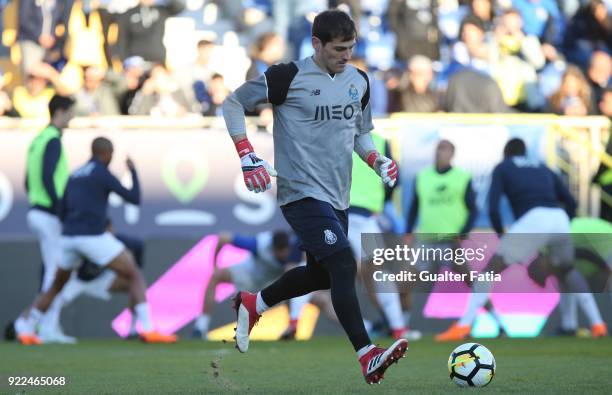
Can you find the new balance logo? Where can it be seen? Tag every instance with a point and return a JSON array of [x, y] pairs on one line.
[[323, 113], [315, 92]]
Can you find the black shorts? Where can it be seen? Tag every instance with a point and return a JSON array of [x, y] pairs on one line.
[[321, 228]]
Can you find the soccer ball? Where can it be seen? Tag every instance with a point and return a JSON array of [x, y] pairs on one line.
[[471, 365]]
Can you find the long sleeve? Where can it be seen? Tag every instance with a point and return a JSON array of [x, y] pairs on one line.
[[247, 96], [130, 195], [50, 159], [495, 194], [363, 145], [470, 203], [413, 210]]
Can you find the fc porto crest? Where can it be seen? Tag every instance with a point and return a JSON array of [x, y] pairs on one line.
[[353, 92], [330, 237]]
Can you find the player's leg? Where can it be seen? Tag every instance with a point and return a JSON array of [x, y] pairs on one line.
[[387, 300], [463, 270], [562, 256], [107, 251], [202, 323], [568, 309], [478, 298], [25, 325], [323, 231], [48, 228]]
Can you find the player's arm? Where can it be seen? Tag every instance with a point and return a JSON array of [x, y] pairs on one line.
[[364, 145], [113, 184], [248, 243], [50, 159], [564, 196], [413, 210], [272, 87], [470, 203], [495, 194]]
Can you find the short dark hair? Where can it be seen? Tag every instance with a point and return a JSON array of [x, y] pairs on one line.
[[280, 240], [59, 102], [332, 24], [101, 145], [204, 42], [515, 147], [471, 20]]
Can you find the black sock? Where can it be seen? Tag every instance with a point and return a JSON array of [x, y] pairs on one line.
[[342, 270], [297, 282]]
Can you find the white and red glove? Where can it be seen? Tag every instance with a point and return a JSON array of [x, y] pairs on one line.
[[386, 168], [256, 171]]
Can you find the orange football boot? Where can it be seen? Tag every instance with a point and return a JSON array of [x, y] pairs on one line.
[[456, 332], [156, 337]]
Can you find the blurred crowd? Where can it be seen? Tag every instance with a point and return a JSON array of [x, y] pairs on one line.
[[173, 57]]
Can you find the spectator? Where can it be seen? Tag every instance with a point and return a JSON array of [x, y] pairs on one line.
[[99, 95], [32, 100], [519, 56], [286, 12], [41, 36], [134, 73], [605, 105], [141, 29], [541, 18], [473, 92], [201, 69], [450, 15], [6, 106], [267, 50], [415, 90], [160, 96], [589, 30], [212, 99], [472, 50], [85, 29], [573, 96], [484, 12], [194, 78], [598, 75], [416, 26]]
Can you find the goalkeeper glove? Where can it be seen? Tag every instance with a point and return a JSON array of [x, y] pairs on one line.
[[256, 171], [386, 168]]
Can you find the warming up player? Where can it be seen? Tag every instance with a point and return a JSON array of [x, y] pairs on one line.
[[322, 114]]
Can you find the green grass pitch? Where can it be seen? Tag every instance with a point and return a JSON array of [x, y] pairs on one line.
[[324, 365]]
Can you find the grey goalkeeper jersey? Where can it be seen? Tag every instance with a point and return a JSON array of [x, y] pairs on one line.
[[318, 121]]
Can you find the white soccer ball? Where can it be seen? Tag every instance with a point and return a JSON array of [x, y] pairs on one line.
[[471, 365]]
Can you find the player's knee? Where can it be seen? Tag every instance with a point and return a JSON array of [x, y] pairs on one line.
[[318, 276], [341, 263], [125, 265]]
